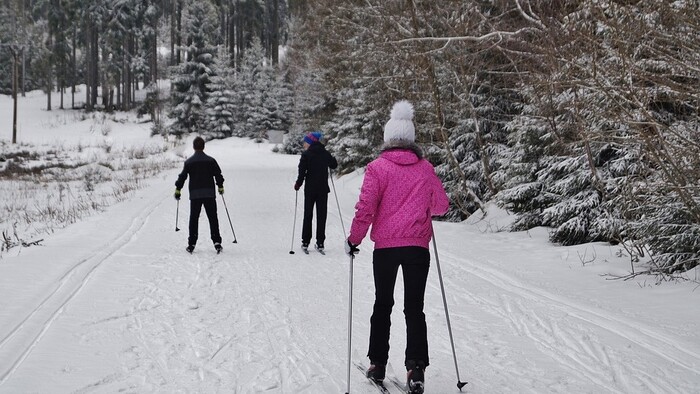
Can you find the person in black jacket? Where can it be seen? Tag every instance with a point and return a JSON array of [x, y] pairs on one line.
[[313, 167], [203, 171]]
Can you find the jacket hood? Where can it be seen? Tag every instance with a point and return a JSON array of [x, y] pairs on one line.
[[316, 146], [402, 152]]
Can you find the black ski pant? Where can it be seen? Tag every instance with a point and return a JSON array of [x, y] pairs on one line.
[[415, 263], [210, 208], [320, 200]]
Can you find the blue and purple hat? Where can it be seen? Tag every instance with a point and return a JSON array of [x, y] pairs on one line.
[[314, 136]]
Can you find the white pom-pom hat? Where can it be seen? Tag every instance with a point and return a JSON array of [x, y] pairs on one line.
[[400, 125]]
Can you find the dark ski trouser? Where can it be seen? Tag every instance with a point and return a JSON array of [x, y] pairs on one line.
[[320, 200], [415, 263], [210, 208]]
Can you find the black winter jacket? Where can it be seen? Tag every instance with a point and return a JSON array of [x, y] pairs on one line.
[[203, 170], [313, 167]]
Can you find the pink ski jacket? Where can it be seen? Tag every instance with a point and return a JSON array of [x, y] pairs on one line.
[[400, 193]]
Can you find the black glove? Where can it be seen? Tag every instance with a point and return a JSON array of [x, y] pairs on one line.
[[351, 249], [177, 194], [297, 186]]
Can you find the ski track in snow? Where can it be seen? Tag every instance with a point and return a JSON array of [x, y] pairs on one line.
[[20, 341], [573, 335], [256, 319], [198, 324], [196, 344]]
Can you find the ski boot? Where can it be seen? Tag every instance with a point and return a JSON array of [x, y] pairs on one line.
[[218, 247], [319, 247], [189, 249], [376, 372], [415, 378]]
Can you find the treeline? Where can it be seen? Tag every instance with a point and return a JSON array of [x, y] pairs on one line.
[[582, 116], [116, 46], [221, 91], [578, 115]]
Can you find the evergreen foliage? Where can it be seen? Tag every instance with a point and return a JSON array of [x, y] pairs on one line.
[[220, 106], [262, 97], [355, 139], [190, 80], [581, 116], [313, 101]]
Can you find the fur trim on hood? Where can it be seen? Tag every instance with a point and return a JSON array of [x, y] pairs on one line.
[[403, 144]]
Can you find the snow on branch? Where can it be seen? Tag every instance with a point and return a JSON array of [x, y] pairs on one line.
[[530, 18], [500, 35]]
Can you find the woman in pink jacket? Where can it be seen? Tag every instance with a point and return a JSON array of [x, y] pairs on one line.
[[400, 194]]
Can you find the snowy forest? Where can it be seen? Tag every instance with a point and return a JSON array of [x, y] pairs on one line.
[[581, 116]]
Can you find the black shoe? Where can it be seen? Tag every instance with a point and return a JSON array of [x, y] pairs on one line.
[[218, 247], [376, 372], [415, 377], [305, 246], [189, 248], [319, 247]]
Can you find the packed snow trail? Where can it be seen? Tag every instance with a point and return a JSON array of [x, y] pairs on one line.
[[20, 340], [115, 304]]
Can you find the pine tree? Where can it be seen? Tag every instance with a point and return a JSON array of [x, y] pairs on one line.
[[190, 80], [355, 139], [279, 103], [220, 106], [260, 95]]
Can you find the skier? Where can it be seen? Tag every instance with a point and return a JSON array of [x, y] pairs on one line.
[[313, 167], [399, 195], [203, 171]]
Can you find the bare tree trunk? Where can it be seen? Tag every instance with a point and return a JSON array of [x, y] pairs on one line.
[[24, 74], [120, 99], [49, 87], [173, 17], [274, 39], [15, 82], [154, 64], [49, 70], [74, 66], [233, 38], [239, 35], [89, 78], [95, 65], [179, 31]]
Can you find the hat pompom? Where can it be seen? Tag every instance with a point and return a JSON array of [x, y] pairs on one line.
[[402, 110], [400, 125]]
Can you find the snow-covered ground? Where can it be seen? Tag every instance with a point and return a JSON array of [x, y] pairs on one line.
[[113, 303]]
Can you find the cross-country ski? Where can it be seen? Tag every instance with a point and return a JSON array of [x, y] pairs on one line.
[[379, 385]]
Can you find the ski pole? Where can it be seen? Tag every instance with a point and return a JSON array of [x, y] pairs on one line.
[[229, 220], [177, 215], [352, 258], [350, 275], [460, 384], [296, 201], [330, 174]]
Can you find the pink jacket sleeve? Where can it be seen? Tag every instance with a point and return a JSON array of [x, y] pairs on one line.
[[366, 207], [439, 203]]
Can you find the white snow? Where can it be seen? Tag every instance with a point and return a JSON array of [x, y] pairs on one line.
[[113, 303]]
